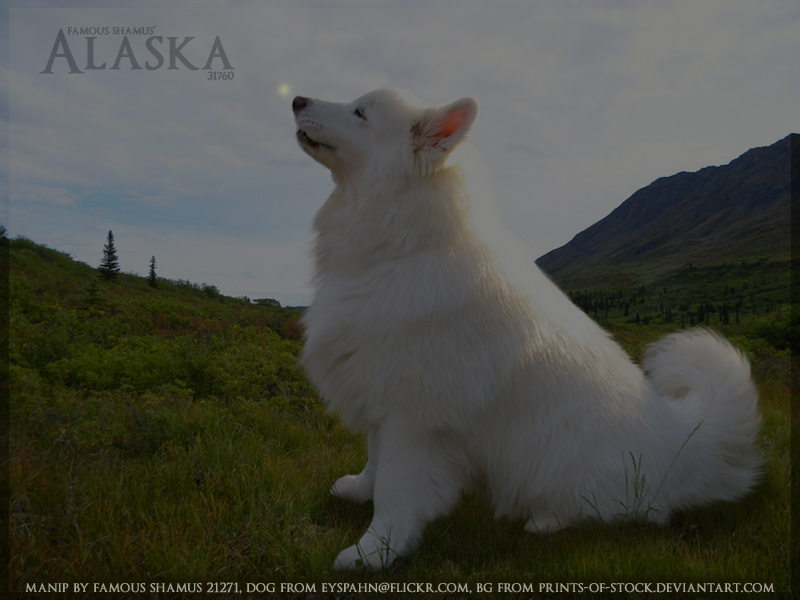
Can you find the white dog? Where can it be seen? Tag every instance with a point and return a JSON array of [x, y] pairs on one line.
[[433, 332]]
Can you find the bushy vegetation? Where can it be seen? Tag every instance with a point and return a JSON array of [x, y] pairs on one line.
[[168, 433]]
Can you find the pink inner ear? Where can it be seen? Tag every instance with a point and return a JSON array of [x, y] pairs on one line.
[[452, 121]]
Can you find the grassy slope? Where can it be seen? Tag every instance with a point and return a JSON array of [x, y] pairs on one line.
[[654, 271], [169, 435]]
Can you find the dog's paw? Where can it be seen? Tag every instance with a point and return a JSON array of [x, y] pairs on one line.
[[544, 523], [369, 554], [349, 487], [349, 559]]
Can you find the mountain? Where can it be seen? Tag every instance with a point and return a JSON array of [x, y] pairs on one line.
[[739, 211]]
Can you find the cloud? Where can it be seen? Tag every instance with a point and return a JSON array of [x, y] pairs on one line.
[[32, 192]]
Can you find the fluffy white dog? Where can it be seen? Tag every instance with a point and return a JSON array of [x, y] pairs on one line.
[[433, 332]]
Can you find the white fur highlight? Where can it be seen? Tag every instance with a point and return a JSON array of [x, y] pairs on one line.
[[432, 331]]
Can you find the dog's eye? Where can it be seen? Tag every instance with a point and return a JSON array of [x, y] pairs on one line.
[[359, 112]]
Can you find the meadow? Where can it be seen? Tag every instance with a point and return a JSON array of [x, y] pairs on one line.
[[169, 434]]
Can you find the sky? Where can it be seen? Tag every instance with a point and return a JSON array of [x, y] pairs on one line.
[[583, 102]]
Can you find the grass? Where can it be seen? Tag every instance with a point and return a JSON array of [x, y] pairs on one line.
[[168, 435]]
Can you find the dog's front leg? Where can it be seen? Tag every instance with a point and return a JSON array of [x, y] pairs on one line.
[[416, 481], [359, 488]]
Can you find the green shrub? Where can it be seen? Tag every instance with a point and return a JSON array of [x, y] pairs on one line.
[[775, 327]]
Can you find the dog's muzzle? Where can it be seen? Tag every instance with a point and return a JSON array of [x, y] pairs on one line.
[[306, 141]]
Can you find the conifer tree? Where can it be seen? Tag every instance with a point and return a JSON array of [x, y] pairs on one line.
[[109, 266], [151, 280]]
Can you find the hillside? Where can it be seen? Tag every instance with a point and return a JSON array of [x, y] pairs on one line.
[[73, 329], [739, 211]]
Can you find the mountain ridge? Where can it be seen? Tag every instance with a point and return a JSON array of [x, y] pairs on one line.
[[720, 213]]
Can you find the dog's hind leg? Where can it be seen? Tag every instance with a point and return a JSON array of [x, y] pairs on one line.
[[417, 480], [359, 488]]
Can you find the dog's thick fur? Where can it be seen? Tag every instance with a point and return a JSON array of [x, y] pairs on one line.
[[433, 332]]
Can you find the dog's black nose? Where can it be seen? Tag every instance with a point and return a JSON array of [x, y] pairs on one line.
[[299, 103]]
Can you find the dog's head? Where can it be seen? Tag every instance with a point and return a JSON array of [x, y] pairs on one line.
[[381, 133]]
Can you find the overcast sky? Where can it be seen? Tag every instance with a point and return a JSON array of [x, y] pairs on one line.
[[582, 103]]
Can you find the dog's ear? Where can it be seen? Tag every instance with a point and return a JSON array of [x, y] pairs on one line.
[[439, 130]]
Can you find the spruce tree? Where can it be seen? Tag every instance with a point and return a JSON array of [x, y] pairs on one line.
[[109, 266], [151, 280]]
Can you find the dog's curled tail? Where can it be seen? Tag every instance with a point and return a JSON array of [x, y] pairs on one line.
[[706, 384]]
